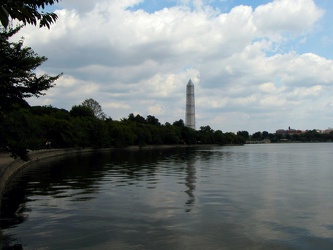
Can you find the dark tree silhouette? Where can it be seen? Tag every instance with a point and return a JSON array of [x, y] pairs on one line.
[[18, 79], [27, 11]]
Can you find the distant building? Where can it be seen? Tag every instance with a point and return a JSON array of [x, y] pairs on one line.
[[190, 105], [327, 131]]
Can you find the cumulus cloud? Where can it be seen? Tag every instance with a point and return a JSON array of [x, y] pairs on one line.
[[132, 60], [283, 16]]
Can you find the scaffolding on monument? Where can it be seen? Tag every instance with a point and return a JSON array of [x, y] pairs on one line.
[[190, 105]]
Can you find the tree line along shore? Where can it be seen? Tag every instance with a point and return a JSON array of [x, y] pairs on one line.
[[85, 125]]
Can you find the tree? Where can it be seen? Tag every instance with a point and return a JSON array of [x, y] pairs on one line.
[[206, 129], [18, 79], [243, 133], [27, 11], [265, 134], [95, 107], [257, 135], [49, 110], [81, 111], [138, 118], [220, 137], [179, 123], [171, 134], [152, 120], [189, 135]]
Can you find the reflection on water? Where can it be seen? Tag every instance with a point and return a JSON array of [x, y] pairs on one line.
[[250, 197]]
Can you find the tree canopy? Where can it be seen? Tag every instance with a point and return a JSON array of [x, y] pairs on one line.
[[27, 11], [18, 79], [95, 107], [81, 111]]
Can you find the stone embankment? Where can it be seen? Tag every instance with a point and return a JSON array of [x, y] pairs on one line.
[[9, 166]]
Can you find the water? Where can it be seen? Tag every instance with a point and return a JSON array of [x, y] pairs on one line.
[[273, 196]]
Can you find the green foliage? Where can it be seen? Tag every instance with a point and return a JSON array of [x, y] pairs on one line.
[[95, 107], [143, 134], [256, 135], [265, 134], [138, 118], [220, 137], [14, 133], [188, 135], [28, 130], [152, 120], [49, 110], [27, 11], [81, 111], [179, 123], [121, 134], [206, 135], [244, 134], [172, 134], [98, 134], [18, 79], [156, 135]]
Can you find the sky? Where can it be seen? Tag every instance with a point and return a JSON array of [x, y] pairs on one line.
[[256, 65]]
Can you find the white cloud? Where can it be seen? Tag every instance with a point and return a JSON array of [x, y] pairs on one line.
[[306, 92], [279, 16], [268, 87], [116, 105], [156, 110]]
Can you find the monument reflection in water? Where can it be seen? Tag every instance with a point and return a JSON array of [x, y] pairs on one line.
[[250, 197], [190, 183]]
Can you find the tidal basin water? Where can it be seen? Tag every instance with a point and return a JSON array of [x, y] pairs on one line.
[[272, 196]]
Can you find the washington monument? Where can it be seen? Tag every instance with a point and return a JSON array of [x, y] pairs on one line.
[[190, 106]]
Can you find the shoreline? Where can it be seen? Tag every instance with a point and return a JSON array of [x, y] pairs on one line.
[[9, 166]]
